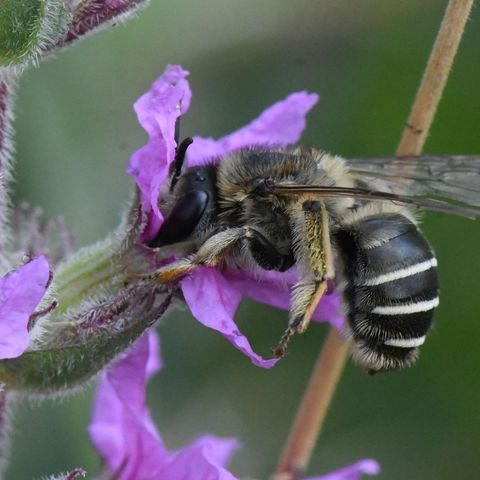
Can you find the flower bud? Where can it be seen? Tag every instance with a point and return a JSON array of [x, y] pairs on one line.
[[28, 26]]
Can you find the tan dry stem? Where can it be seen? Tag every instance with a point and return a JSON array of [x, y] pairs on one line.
[[434, 78], [313, 409]]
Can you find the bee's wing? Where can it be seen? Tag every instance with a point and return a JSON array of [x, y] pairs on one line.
[[374, 195], [450, 177]]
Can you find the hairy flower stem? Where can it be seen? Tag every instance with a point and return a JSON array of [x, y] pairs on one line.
[[326, 375], [434, 78], [313, 408], [7, 85], [4, 431]]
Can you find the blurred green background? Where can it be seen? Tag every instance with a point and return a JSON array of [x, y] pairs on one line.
[[76, 130]]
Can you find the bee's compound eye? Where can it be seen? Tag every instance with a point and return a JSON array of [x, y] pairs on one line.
[[182, 219]]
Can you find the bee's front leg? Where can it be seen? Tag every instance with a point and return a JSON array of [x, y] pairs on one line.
[[210, 254]]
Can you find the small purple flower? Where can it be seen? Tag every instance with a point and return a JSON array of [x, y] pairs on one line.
[[213, 295], [123, 432], [20, 293], [352, 472], [130, 445]]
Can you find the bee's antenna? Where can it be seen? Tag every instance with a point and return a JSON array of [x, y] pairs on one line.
[[180, 151], [177, 165], [177, 130]]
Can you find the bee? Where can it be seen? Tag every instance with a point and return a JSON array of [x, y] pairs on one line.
[[351, 222]]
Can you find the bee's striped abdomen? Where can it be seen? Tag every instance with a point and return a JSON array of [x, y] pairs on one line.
[[391, 291]]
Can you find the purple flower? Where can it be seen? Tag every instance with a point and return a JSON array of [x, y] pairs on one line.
[[213, 295], [20, 293], [123, 432], [130, 445], [352, 472]]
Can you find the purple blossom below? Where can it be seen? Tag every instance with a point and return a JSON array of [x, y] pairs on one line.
[[352, 472], [123, 432], [213, 295], [21, 290]]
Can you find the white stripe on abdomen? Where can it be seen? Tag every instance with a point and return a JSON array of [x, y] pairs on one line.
[[405, 342], [402, 273], [407, 308]]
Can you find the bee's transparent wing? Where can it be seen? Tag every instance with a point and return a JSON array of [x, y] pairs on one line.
[[374, 195], [454, 178]]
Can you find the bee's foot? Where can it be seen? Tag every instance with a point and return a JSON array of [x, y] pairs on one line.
[[279, 352], [135, 277]]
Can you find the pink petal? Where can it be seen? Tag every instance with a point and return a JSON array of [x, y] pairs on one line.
[[121, 428], [274, 288], [157, 110], [154, 361], [353, 472], [213, 302], [123, 432], [203, 460], [20, 293], [279, 125]]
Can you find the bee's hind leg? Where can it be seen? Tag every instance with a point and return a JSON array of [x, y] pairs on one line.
[[314, 256], [210, 254], [305, 298]]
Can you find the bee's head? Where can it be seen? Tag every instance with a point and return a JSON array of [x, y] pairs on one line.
[[190, 208]]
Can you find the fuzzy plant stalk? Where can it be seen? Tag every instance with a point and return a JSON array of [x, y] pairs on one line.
[[327, 372], [4, 429], [7, 83]]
